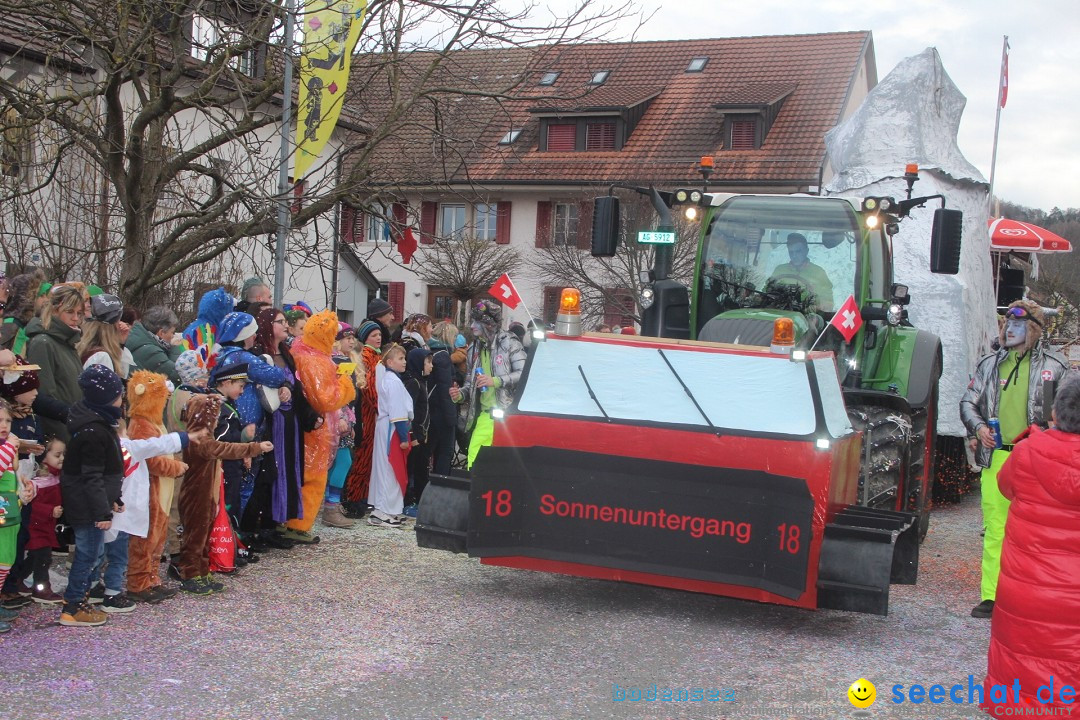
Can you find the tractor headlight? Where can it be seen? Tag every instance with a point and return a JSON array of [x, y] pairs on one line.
[[647, 297], [894, 315]]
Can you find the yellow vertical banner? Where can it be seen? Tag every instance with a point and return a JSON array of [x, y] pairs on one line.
[[331, 30]]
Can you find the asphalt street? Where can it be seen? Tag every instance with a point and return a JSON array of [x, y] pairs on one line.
[[367, 625]]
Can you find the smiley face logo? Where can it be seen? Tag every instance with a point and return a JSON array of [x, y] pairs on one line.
[[862, 693]]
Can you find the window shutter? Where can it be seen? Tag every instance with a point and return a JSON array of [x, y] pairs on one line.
[[400, 213], [619, 307], [562, 137], [298, 196], [584, 224], [600, 136], [397, 299], [360, 226], [502, 223], [543, 224], [743, 134], [428, 213], [347, 224]]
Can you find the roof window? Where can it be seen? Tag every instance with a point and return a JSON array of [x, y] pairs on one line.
[[549, 78], [510, 136], [600, 77], [697, 64]]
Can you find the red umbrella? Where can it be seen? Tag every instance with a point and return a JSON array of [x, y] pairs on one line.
[[1006, 235]]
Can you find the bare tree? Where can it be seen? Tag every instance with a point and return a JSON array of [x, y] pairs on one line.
[[152, 125], [613, 285], [467, 268]]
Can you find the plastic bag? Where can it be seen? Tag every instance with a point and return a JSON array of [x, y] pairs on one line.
[[222, 540]]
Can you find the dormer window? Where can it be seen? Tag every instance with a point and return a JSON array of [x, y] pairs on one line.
[[743, 134], [510, 137], [697, 64], [549, 78], [211, 37], [599, 78]]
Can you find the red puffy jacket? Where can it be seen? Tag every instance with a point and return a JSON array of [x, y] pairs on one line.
[[1035, 632]]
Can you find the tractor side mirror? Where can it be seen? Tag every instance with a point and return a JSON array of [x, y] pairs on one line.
[[945, 241], [605, 229]]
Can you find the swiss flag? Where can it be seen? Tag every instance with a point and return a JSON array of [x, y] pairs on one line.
[[847, 319], [504, 291], [406, 245]]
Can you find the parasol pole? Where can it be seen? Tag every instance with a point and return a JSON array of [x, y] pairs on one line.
[[1003, 89]]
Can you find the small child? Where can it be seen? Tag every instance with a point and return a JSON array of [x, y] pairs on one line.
[[344, 355], [389, 475], [200, 492], [90, 484], [45, 511], [418, 365], [11, 501]]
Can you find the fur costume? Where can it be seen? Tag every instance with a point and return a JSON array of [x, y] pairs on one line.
[[358, 481], [201, 488], [147, 395], [213, 307], [326, 391]]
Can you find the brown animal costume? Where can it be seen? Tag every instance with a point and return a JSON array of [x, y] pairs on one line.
[[201, 488], [147, 395], [326, 391]]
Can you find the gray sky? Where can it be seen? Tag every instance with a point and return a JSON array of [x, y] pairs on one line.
[[1038, 161]]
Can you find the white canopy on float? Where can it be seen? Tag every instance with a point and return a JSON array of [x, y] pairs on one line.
[[912, 116]]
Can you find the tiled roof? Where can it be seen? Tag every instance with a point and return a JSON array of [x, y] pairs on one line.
[[681, 123]]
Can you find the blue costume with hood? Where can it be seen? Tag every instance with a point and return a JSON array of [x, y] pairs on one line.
[[213, 307], [260, 372]]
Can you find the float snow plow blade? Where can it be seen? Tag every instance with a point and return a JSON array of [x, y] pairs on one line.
[[442, 518]]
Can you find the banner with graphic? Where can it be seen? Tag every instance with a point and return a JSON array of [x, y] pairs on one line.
[[331, 31]]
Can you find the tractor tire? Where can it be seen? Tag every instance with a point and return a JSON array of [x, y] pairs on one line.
[[884, 461], [923, 461], [954, 475]]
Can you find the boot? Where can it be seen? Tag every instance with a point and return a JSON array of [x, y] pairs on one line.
[[44, 594], [333, 517]]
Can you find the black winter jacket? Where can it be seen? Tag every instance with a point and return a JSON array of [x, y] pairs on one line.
[[93, 473]]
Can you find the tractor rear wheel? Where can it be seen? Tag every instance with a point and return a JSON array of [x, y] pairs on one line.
[[884, 463]]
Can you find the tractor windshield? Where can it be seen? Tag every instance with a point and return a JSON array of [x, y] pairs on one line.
[[785, 252]]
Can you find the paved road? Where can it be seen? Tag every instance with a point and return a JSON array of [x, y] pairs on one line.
[[366, 625]]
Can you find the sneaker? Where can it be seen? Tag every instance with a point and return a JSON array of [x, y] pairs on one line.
[[150, 596], [12, 601], [118, 604], [173, 571], [82, 615], [332, 516], [246, 554], [4, 627], [214, 585], [276, 541], [44, 594], [409, 511], [983, 610], [7, 615], [166, 593], [96, 595], [302, 536], [384, 522], [354, 511], [195, 586]]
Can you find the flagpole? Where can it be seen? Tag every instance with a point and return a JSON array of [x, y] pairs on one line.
[[283, 170], [1002, 89]]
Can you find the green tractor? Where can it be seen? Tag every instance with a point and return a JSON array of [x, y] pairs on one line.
[[778, 271]]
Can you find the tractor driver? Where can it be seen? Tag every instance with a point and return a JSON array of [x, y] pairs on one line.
[[803, 272]]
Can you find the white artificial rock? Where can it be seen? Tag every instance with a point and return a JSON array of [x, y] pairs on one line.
[[913, 116]]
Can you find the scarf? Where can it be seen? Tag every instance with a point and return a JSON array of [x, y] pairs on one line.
[[20, 411], [110, 413]]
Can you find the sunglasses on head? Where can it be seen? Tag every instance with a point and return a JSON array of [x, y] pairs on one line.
[[1021, 314]]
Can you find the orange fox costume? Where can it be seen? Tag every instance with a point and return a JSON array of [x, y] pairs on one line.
[[147, 395], [326, 392], [201, 488]]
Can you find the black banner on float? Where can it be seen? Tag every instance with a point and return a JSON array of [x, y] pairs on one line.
[[740, 527]]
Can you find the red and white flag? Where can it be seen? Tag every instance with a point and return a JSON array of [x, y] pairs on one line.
[[504, 291], [847, 319], [1005, 75]]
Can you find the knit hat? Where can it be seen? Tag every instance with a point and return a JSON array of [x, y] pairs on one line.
[[487, 313], [460, 341], [191, 366], [106, 308], [236, 327], [17, 382], [100, 385], [344, 330], [229, 371], [378, 307], [366, 328], [94, 291]]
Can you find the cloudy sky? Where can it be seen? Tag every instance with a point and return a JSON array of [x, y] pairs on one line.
[[1038, 162]]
